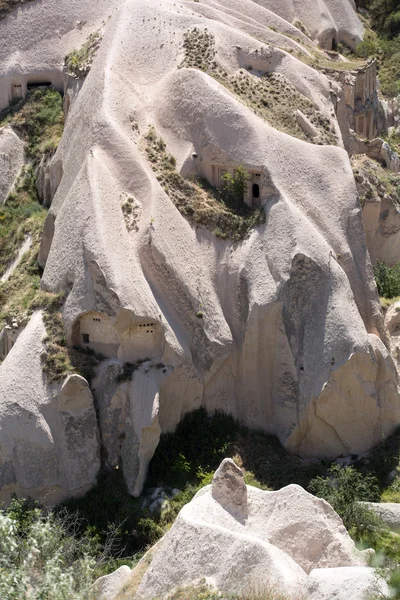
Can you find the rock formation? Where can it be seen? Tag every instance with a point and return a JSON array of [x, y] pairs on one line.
[[49, 442], [11, 160], [237, 537], [282, 328]]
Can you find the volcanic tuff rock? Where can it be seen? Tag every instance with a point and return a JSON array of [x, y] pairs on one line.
[[236, 536], [11, 160], [282, 329], [49, 442]]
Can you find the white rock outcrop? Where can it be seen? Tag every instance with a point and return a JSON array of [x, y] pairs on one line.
[[109, 586], [343, 583], [12, 157], [237, 537], [388, 512], [49, 441], [291, 338]]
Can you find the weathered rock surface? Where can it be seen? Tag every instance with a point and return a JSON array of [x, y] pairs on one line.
[[109, 586], [380, 202], [12, 157], [49, 443], [237, 537], [392, 320], [128, 414], [343, 583], [389, 512], [292, 339]]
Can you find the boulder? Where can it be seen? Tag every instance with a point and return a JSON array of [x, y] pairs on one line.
[[345, 583], [305, 124], [389, 512], [109, 586], [235, 536]]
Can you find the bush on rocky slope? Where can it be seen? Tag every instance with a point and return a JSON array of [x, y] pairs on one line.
[[197, 200], [79, 62], [387, 279], [40, 558], [39, 119]]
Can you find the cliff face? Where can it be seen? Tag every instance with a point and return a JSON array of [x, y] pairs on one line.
[[282, 327]]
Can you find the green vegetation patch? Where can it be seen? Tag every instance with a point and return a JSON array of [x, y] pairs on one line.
[[387, 279], [187, 459], [42, 559], [223, 212], [272, 96], [78, 62], [7, 6], [21, 215], [39, 119]]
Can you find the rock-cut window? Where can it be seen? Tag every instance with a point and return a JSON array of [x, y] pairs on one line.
[[85, 337], [256, 190]]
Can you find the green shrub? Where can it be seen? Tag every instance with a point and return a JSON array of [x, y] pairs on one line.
[[343, 487], [41, 559], [369, 46], [39, 118], [234, 187], [387, 279], [225, 214]]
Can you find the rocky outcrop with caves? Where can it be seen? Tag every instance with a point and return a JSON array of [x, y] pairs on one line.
[[266, 309]]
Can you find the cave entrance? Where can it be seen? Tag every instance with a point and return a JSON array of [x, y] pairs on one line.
[[32, 85]]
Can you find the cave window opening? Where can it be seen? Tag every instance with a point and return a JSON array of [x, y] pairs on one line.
[[85, 338], [256, 190]]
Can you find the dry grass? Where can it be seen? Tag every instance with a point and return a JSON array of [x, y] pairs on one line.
[[79, 62], [196, 199], [252, 591], [130, 588], [131, 211], [272, 96], [387, 302]]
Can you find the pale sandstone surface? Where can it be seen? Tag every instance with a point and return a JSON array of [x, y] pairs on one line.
[[35, 38], [236, 536], [109, 586], [357, 583], [49, 443], [381, 210], [292, 338], [389, 512], [285, 342], [329, 19], [12, 157]]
